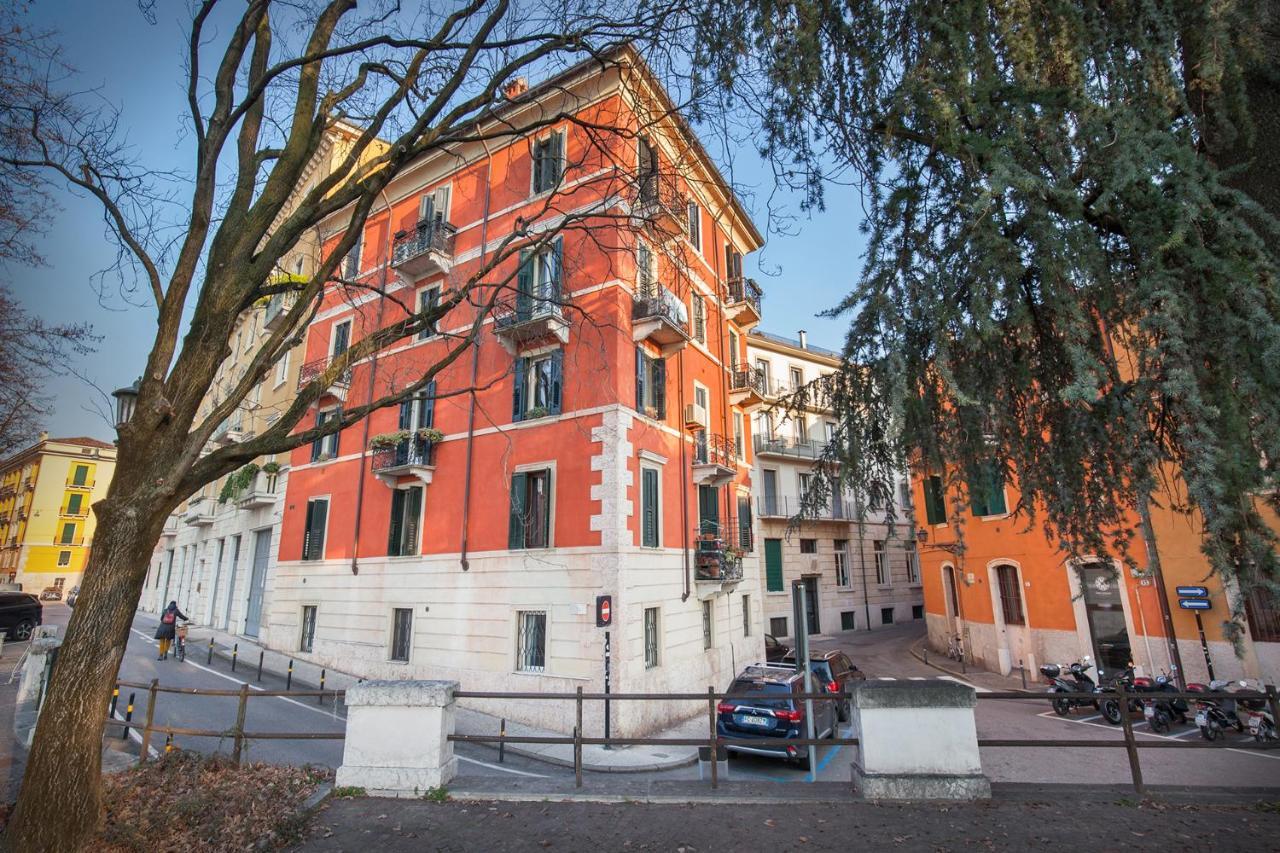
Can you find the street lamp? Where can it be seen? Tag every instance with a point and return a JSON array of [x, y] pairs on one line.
[[126, 402]]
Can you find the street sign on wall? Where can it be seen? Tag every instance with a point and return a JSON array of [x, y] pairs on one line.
[[1194, 603], [1193, 592]]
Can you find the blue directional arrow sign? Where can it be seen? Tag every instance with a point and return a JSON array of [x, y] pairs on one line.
[[1195, 603], [1193, 592]]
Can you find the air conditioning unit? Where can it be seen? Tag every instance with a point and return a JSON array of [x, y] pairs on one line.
[[695, 416]]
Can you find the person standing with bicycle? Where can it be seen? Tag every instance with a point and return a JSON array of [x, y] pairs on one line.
[[168, 627]]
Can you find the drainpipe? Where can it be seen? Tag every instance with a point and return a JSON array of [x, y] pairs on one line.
[[685, 478], [475, 370], [373, 376]]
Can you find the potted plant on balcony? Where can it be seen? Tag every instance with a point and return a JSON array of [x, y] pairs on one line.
[[388, 440], [535, 412], [271, 468], [429, 434]]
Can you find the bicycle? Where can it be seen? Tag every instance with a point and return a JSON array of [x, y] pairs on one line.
[[180, 642], [955, 648]]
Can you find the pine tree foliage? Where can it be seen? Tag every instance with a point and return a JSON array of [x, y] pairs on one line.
[[1062, 277]]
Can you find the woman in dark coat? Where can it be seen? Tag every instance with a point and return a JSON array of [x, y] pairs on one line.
[[168, 627]]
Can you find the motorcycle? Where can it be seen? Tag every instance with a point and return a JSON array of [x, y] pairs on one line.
[[1215, 715], [1079, 682], [1262, 725], [1161, 712], [1110, 707]]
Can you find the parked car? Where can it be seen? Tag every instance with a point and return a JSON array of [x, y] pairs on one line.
[[774, 650], [761, 703], [833, 672], [20, 613], [73, 595], [51, 593]]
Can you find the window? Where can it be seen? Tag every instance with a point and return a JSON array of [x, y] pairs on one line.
[[406, 512], [1262, 609], [699, 319], [531, 642], [882, 563], [81, 475], [801, 427], [530, 520], [913, 562], [695, 226], [427, 301], [848, 620], [341, 338], [773, 565], [282, 369], [739, 437], [548, 162], [935, 501], [808, 546], [986, 496], [1010, 595], [733, 350], [649, 491], [351, 265], [917, 611], [68, 534], [64, 558], [886, 615], [746, 537], [708, 620], [326, 446], [651, 385], [73, 503], [307, 641], [797, 377], [538, 381], [746, 616], [401, 633], [778, 626], [419, 411], [804, 481], [646, 278], [313, 535], [842, 562], [904, 494], [433, 208], [650, 637]]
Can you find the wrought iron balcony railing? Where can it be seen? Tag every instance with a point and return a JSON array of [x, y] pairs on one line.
[[745, 291], [777, 445], [407, 453], [718, 551], [428, 236]]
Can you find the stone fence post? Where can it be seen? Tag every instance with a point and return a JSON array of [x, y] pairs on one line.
[[32, 685], [918, 740], [397, 741]]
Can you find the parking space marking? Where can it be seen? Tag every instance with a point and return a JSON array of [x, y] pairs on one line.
[[1049, 715]]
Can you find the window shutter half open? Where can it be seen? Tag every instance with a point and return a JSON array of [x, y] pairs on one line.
[[515, 522]]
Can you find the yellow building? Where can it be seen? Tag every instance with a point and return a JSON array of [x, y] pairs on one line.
[[46, 526]]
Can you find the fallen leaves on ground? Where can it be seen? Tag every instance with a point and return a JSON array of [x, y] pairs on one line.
[[186, 801]]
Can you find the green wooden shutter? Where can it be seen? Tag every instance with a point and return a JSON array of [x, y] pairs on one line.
[[935, 505], [773, 565], [649, 501], [518, 391], [412, 512], [306, 533], [557, 269], [427, 406], [524, 283], [318, 514], [515, 523], [557, 381], [394, 529], [744, 523], [659, 380], [557, 159], [406, 414], [318, 444]]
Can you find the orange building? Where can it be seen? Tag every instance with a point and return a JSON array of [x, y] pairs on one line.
[[1010, 597], [594, 442]]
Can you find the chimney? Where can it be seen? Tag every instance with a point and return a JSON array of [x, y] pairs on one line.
[[515, 88], [804, 339]]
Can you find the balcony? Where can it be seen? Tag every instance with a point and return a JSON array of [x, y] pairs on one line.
[[227, 434], [261, 492], [717, 558], [743, 305], [660, 318], [69, 541], [71, 484], [199, 512], [425, 250], [660, 205], [8, 491], [312, 370], [278, 304], [715, 460], [170, 529], [409, 457], [747, 386], [793, 448], [787, 506], [534, 321], [79, 512]]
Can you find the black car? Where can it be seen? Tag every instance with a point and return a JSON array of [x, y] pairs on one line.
[[73, 595], [20, 613], [761, 703], [774, 650], [832, 672]]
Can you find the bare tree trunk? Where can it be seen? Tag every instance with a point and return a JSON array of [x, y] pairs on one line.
[[60, 802]]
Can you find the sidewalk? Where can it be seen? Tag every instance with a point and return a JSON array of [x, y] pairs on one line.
[[974, 675]]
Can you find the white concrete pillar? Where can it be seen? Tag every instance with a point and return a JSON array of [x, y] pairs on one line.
[[32, 685], [918, 740], [397, 741]]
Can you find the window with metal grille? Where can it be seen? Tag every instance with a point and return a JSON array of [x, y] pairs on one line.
[[886, 615], [1010, 595], [848, 620], [531, 642], [1262, 609], [708, 618], [650, 637], [401, 633], [307, 641], [778, 626], [842, 562], [746, 616], [917, 611], [882, 562]]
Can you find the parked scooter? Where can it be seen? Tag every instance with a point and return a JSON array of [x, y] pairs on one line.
[[1262, 725], [1079, 682], [1215, 715], [1162, 711], [1110, 707]]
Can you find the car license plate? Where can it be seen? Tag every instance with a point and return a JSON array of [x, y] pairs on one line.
[[752, 720], [1148, 711], [1202, 719]]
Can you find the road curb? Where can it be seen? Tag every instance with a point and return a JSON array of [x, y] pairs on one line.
[[652, 767]]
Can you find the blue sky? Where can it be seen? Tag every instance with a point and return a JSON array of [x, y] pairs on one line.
[[137, 66]]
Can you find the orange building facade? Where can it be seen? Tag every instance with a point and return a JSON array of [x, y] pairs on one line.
[[593, 442], [1010, 598]]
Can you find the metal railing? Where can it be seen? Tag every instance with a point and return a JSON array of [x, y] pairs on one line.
[[803, 448], [428, 236], [714, 449], [787, 506], [313, 369], [718, 550], [659, 194], [663, 306], [411, 451], [534, 309], [742, 289], [747, 378]]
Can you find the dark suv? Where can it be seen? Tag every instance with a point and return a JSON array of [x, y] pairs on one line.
[[832, 672], [20, 613], [762, 704]]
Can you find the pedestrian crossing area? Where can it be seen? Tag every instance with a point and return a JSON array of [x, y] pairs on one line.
[[931, 678]]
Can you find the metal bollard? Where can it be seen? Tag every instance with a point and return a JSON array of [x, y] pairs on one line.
[[115, 700], [168, 744], [502, 744], [320, 696], [260, 654], [209, 660], [235, 653], [1022, 670], [128, 718], [288, 681], [926, 655]]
